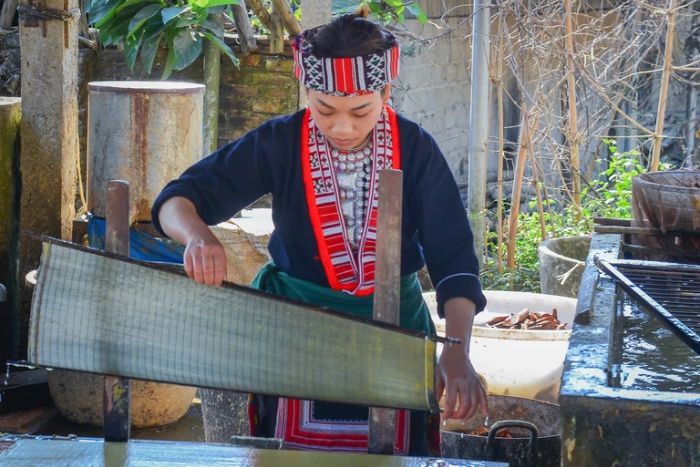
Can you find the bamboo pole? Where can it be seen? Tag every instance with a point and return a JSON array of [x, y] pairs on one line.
[[535, 179], [260, 11], [517, 188], [663, 93], [244, 28], [572, 127], [290, 22], [501, 153], [276, 32], [212, 73]]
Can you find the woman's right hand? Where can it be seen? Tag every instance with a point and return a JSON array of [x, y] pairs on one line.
[[205, 258]]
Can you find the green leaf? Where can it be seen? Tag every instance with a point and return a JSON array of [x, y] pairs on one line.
[[115, 31], [153, 31], [128, 3], [102, 12], [221, 45], [170, 61], [149, 48], [131, 48], [168, 14], [418, 12], [144, 15], [189, 19], [187, 46], [214, 25], [211, 3]]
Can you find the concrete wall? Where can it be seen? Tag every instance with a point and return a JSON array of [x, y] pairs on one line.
[[433, 90]]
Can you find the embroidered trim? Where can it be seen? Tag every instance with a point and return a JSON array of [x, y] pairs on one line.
[[298, 428], [455, 275], [344, 75], [344, 270]]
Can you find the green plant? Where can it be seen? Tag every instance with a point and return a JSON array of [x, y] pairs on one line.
[[610, 195], [143, 25], [386, 11]]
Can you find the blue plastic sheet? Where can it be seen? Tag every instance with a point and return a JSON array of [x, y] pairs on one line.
[[141, 245]]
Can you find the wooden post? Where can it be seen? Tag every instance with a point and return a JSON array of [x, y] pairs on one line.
[[117, 423], [387, 276], [10, 116], [49, 130]]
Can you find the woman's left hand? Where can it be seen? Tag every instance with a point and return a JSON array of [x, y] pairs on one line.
[[460, 384], [455, 375]]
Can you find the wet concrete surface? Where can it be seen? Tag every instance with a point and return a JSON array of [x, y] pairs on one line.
[[607, 425]]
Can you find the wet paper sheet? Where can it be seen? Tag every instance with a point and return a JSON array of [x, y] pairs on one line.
[[98, 313]]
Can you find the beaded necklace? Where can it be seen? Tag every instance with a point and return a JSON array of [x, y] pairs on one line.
[[352, 170]]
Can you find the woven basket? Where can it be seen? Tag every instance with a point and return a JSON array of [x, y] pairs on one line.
[[669, 201]]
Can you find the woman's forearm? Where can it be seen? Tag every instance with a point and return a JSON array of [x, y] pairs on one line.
[[459, 318], [179, 219]]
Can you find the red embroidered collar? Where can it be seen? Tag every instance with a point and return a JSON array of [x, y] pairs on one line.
[[344, 270]]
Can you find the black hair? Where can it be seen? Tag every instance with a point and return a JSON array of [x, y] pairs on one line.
[[350, 35]]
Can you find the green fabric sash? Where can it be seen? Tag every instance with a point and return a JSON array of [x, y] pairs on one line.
[[414, 312]]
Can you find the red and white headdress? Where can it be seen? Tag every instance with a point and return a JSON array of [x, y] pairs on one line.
[[344, 75]]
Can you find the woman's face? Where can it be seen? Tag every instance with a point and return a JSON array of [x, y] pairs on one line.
[[346, 120]]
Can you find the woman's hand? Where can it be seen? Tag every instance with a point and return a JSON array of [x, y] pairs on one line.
[[460, 384], [456, 377], [204, 257]]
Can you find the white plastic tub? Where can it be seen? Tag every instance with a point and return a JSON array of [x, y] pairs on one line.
[[518, 362]]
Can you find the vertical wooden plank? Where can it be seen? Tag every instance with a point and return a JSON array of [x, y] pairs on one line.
[[117, 423], [387, 276], [10, 117]]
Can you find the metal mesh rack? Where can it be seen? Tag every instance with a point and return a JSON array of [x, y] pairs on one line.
[[669, 292]]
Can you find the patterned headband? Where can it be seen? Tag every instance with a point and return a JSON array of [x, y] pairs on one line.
[[344, 76]]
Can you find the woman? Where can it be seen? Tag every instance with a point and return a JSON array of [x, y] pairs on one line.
[[320, 164]]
